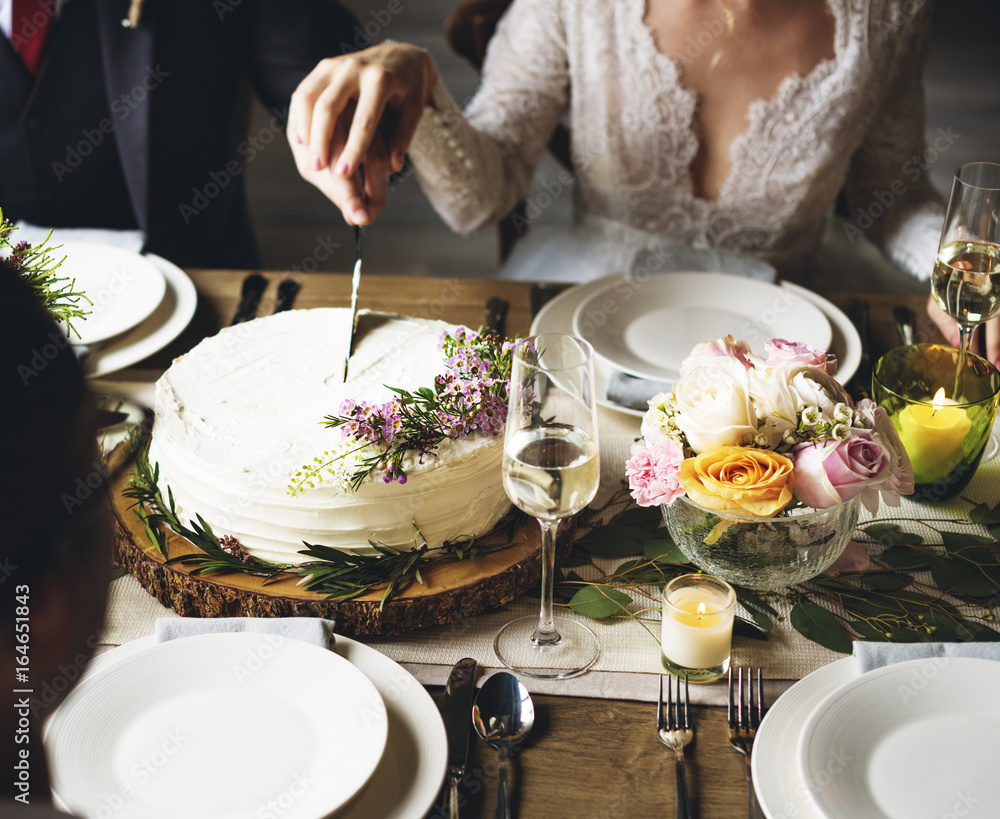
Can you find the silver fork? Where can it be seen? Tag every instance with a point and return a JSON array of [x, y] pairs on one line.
[[744, 719], [676, 735]]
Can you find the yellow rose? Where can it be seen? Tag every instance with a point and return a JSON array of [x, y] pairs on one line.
[[739, 481]]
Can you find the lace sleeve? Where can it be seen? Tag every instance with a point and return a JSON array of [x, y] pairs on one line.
[[890, 196], [475, 167]]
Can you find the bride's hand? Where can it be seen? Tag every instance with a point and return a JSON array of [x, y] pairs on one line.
[[345, 103], [949, 329]]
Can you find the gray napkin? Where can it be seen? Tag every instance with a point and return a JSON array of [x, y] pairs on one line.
[[308, 629], [128, 239], [869, 656], [632, 392]]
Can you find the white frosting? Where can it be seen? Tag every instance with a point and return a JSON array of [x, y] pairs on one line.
[[241, 413]]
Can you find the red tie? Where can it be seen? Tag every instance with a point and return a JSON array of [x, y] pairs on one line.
[[31, 21]]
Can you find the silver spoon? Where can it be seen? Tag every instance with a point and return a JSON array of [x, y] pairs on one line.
[[503, 716]]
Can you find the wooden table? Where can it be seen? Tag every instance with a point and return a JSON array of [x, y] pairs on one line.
[[586, 757]]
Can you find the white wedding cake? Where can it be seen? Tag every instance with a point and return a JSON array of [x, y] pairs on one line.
[[239, 415]]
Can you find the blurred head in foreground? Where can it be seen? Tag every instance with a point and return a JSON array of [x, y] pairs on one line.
[[54, 529]]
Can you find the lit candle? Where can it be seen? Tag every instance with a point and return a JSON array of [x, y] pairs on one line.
[[697, 628], [933, 435]]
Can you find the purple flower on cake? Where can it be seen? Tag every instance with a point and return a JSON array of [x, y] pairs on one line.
[[231, 545]]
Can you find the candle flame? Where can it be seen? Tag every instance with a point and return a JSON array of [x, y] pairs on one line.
[[701, 608], [938, 400]]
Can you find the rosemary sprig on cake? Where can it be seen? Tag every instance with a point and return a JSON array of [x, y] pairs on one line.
[[379, 440], [57, 294]]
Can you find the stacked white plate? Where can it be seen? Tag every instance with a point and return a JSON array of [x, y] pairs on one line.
[[246, 725], [914, 739], [139, 303], [646, 327]]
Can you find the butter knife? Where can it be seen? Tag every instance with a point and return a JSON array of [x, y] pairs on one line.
[[456, 711], [253, 288], [287, 291], [359, 236]]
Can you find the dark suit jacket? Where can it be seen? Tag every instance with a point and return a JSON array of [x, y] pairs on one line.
[[138, 128]]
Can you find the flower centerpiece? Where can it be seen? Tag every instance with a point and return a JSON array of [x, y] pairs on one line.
[[760, 464]]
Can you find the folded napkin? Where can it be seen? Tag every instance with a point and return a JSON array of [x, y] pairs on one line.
[[869, 656], [632, 392], [308, 629], [128, 239]]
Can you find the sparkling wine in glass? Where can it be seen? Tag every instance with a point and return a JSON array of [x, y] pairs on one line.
[[966, 279], [551, 471]]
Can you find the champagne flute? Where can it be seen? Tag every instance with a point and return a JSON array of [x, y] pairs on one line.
[[966, 279], [551, 471]]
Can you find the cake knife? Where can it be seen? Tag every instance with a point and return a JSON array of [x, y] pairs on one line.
[[359, 235], [456, 711]]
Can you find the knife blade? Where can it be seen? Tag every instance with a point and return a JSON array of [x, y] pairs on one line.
[[456, 711], [359, 236], [287, 291], [253, 288]]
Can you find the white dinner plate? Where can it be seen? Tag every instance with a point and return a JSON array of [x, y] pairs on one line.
[[913, 739], [124, 288], [556, 316], [409, 776], [647, 327], [775, 750], [218, 725], [168, 321]]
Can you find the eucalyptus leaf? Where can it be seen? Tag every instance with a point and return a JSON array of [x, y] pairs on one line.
[[891, 534], [903, 557], [614, 541], [886, 581], [762, 620], [575, 559], [599, 602], [955, 541], [644, 517], [819, 625], [751, 600], [959, 578], [985, 515], [662, 549], [744, 628]]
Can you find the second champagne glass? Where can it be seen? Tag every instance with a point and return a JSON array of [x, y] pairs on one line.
[[551, 471], [966, 279]]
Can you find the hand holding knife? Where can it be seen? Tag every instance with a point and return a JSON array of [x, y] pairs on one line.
[[359, 235], [456, 711]]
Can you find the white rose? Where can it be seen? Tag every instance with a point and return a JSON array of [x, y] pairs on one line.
[[778, 404], [714, 407], [814, 387]]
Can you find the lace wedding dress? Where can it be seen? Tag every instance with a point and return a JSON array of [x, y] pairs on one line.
[[853, 124]]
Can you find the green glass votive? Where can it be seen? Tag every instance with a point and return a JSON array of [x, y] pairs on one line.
[[942, 402]]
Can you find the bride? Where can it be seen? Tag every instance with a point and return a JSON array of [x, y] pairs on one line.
[[729, 125]]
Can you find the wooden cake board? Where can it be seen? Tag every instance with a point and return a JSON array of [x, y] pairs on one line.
[[452, 589]]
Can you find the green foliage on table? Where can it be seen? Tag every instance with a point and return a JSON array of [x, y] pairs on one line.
[[337, 575], [913, 591], [57, 294]]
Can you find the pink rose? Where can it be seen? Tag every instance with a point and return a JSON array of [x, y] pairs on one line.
[[900, 480], [653, 472], [725, 347], [780, 351], [829, 473]]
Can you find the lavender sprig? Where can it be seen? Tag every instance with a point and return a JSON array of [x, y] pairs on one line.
[[469, 398]]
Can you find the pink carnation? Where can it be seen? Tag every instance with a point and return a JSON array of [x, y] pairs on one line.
[[654, 472], [780, 351], [725, 347]]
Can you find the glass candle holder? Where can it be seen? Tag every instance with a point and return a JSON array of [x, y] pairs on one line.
[[943, 402], [697, 629]]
